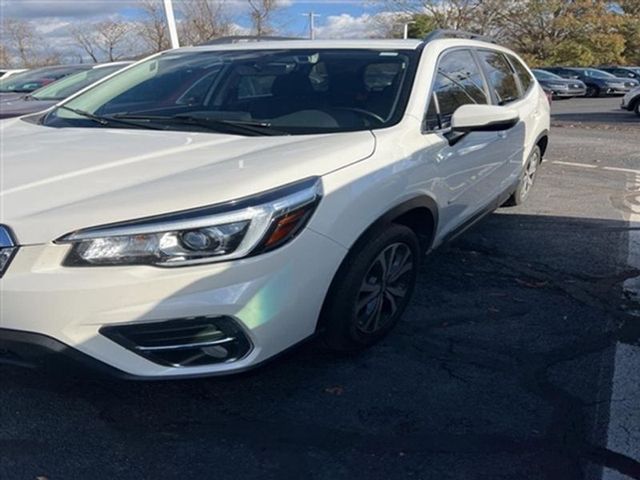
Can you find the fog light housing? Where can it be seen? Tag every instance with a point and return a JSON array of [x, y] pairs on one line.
[[187, 342]]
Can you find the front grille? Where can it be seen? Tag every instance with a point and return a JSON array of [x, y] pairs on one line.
[[185, 342]]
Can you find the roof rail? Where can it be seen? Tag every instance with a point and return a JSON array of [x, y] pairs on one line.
[[245, 39], [441, 33]]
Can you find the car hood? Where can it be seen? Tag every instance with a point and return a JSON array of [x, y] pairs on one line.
[[5, 96], [55, 181], [23, 106]]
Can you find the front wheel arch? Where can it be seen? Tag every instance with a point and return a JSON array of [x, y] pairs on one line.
[[419, 213]]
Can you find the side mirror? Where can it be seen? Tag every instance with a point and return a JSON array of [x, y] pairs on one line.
[[483, 118]]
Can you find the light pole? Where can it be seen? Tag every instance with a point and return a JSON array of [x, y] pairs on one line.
[[171, 22], [405, 34], [312, 24]]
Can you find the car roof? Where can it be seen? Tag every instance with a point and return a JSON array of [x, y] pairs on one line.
[[111, 64], [410, 44], [363, 44]]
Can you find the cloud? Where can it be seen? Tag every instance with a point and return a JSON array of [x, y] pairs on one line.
[[35, 9], [363, 26]]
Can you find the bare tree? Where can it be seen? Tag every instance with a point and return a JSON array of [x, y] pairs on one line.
[[204, 20], [153, 30], [112, 37], [21, 36], [22, 43], [261, 13], [472, 15], [104, 40], [5, 57], [84, 36]]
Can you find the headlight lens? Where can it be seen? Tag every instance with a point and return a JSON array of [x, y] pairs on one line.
[[221, 232], [7, 249]]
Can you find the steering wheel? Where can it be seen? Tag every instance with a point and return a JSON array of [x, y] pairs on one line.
[[361, 111]]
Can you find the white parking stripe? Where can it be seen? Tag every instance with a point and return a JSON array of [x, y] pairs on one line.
[[573, 164], [623, 435], [624, 170], [590, 166]]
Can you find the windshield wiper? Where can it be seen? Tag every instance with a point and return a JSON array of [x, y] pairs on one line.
[[105, 121], [239, 126]]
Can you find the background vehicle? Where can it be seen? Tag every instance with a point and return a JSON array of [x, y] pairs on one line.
[[7, 72], [622, 72], [31, 80], [237, 199], [558, 86], [631, 101], [48, 96], [597, 82]]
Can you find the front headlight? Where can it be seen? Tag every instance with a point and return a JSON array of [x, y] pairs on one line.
[[211, 234], [7, 249]]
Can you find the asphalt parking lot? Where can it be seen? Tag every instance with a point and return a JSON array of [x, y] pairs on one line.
[[519, 358]]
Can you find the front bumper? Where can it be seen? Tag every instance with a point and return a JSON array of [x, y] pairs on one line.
[[617, 90], [573, 92], [275, 299]]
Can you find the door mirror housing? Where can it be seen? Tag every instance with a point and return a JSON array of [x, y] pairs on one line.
[[483, 118]]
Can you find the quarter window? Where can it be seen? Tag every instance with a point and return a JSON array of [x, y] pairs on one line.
[[458, 82], [501, 77], [525, 77]]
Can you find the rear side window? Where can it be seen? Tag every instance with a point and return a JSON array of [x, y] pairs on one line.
[[458, 82], [501, 77], [525, 77]]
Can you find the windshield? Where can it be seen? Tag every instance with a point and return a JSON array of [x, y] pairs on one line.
[[293, 91], [32, 80], [592, 72], [544, 75], [71, 84]]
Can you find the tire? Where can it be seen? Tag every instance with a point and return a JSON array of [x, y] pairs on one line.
[[527, 179], [365, 300], [592, 91], [636, 108]]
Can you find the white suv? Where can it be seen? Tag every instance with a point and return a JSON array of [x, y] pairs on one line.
[[209, 207]]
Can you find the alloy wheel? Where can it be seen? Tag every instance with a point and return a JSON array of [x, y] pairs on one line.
[[530, 174], [384, 288]]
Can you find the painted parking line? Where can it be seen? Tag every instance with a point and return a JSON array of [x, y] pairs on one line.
[[594, 167], [623, 430], [623, 434], [573, 164]]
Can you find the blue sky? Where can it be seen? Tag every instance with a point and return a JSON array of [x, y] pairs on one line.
[[53, 19], [91, 10]]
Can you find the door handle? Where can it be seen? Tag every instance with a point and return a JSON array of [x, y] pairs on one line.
[[502, 134]]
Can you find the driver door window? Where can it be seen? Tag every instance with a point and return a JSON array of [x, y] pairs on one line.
[[458, 82]]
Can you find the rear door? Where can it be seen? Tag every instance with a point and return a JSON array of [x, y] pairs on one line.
[[471, 167], [509, 91]]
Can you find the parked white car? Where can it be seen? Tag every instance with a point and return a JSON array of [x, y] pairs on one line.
[[631, 101], [209, 207]]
